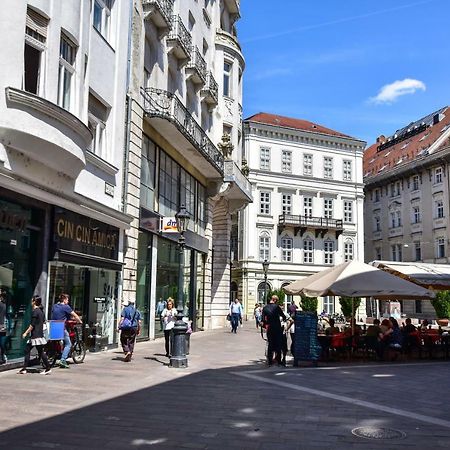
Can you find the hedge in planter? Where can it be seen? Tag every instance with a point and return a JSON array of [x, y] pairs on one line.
[[441, 304]]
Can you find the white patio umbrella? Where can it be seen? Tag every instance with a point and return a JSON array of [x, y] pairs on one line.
[[357, 279]]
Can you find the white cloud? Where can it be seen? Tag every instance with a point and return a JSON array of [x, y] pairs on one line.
[[390, 92]]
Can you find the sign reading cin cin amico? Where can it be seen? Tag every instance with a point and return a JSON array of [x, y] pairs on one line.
[[169, 225]]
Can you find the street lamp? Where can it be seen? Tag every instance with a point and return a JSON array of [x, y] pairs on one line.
[[178, 358], [265, 265]]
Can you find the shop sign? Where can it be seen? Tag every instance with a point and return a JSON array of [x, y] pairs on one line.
[[99, 299], [169, 225], [82, 234], [12, 220]]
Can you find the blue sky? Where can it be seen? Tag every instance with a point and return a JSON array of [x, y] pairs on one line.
[[362, 67]]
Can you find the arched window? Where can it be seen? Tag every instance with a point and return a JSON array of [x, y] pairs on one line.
[[348, 250], [263, 290], [286, 249], [264, 246]]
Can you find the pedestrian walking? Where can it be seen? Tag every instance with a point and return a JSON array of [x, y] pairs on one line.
[[2, 328], [257, 312], [160, 306], [272, 314], [236, 315], [37, 340], [169, 317], [130, 328]]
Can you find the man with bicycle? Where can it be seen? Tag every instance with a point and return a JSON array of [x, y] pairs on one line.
[[62, 311]]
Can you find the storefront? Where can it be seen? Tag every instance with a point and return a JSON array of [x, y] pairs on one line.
[[22, 234], [84, 264]]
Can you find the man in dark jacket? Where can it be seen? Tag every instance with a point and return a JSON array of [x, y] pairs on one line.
[[272, 314]]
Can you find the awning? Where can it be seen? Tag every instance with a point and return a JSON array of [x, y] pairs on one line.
[[432, 276]]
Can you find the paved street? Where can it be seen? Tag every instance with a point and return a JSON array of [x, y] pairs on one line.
[[225, 399]]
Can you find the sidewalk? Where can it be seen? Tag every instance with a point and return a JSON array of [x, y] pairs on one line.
[[226, 398]]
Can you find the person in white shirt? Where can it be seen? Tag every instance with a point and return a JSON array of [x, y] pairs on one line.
[[236, 315], [169, 317]]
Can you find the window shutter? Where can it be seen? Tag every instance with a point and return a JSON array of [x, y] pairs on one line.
[[37, 23]]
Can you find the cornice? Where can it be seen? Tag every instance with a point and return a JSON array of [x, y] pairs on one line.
[[231, 44]]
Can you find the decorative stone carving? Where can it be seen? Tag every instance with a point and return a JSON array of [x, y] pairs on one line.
[[226, 146]]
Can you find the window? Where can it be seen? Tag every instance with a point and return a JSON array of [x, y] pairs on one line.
[[148, 181], [347, 170], [328, 247], [396, 252], [377, 222], [418, 306], [439, 209], [440, 250], [307, 165], [328, 304], [417, 251], [415, 183], [264, 159], [227, 79], [328, 208], [348, 251], [101, 17], [327, 167], [398, 215], [264, 247], [438, 175], [67, 54], [35, 39], [264, 202], [286, 161], [97, 117], [396, 219], [286, 203], [378, 254], [308, 251], [286, 249], [416, 214], [348, 211], [263, 290], [307, 206], [377, 195]]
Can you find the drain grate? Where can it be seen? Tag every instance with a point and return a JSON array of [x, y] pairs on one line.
[[378, 433]]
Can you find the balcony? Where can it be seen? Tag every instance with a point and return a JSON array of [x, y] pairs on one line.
[[321, 225], [196, 67], [210, 92], [239, 192], [45, 132], [179, 41], [169, 116], [159, 12]]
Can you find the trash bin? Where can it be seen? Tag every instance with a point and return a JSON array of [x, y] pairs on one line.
[[56, 330]]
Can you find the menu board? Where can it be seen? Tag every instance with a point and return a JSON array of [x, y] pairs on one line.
[[307, 347]]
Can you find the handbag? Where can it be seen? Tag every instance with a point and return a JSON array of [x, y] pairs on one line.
[[127, 323], [228, 317]]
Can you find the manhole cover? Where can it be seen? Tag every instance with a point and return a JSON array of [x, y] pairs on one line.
[[378, 433]]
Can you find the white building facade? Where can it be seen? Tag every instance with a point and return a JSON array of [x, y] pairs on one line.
[[63, 83], [184, 139], [307, 213]]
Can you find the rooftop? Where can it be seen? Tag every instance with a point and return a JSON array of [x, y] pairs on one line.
[[289, 122], [416, 140]]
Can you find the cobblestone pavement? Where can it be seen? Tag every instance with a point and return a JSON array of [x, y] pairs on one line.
[[226, 398]]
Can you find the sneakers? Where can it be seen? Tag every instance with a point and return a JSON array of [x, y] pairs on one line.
[[22, 371], [127, 357], [46, 372], [63, 364]]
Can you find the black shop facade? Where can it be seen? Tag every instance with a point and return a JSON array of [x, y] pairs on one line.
[[84, 264]]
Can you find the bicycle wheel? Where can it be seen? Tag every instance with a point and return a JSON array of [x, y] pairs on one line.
[[52, 354], [78, 352]]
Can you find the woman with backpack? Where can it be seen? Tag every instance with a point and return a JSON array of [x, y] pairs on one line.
[[130, 328]]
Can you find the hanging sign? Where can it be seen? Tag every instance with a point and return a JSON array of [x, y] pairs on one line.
[[169, 225]]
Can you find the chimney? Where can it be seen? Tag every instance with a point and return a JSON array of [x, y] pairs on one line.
[[437, 118], [381, 139]]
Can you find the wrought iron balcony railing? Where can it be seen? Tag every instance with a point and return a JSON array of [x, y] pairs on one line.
[[196, 67], [166, 105], [159, 11], [210, 91], [302, 223], [179, 40]]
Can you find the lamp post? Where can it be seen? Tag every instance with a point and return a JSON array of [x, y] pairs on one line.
[[178, 358], [265, 265]]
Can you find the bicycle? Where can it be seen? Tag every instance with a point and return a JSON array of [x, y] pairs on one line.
[[77, 352]]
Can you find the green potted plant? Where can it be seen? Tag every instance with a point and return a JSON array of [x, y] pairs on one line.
[[441, 305], [309, 304], [349, 306]]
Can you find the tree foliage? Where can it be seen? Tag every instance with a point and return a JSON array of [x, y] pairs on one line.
[[309, 304], [441, 304], [349, 306], [279, 293]]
